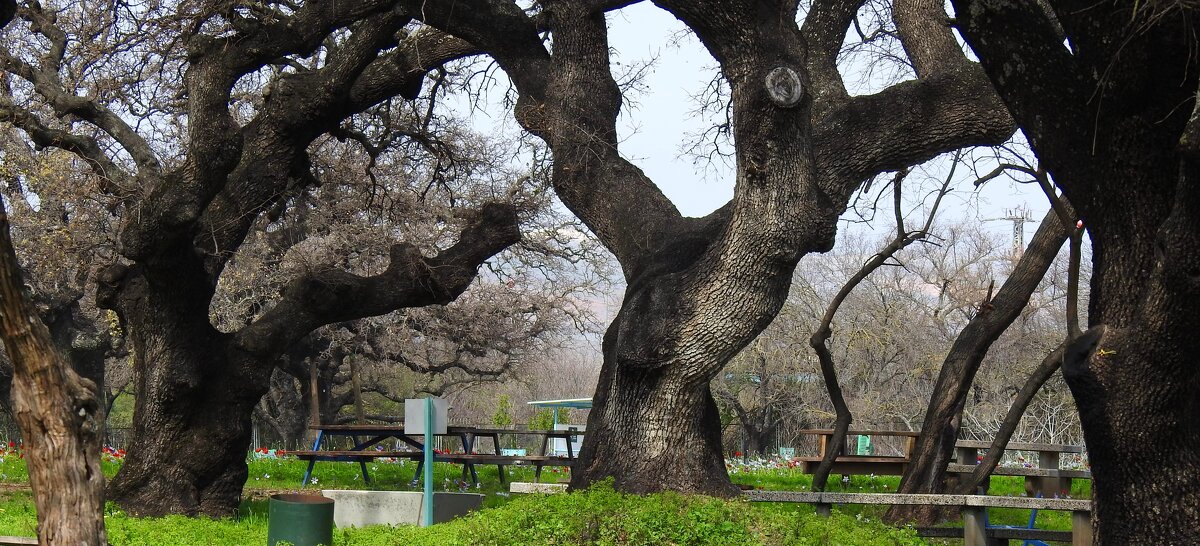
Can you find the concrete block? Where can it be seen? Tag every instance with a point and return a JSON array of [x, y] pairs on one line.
[[357, 508], [528, 487]]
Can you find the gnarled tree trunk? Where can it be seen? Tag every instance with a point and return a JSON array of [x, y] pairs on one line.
[[700, 289], [57, 410], [651, 416], [197, 387], [184, 217], [1114, 119], [192, 415]]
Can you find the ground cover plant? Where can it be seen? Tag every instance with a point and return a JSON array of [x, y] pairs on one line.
[[597, 516]]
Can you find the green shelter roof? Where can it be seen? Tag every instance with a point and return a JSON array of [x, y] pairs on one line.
[[581, 403]]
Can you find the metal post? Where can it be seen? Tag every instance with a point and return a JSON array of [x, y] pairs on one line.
[[427, 509]]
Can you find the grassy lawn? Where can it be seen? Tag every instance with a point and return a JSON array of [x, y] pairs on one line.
[[598, 516]]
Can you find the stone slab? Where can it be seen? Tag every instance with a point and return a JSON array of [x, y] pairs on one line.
[[358, 508]]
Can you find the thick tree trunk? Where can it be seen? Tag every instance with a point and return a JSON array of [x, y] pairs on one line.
[[652, 430], [1136, 382], [934, 448], [191, 457], [1115, 119], [192, 419], [59, 415]]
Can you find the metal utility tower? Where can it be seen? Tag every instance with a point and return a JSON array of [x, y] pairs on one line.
[[1019, 217]]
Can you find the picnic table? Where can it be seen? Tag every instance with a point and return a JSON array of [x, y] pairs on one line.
[[849, 463], [368, 446]]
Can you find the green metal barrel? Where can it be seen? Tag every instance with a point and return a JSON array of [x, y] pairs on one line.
[[300, 520]]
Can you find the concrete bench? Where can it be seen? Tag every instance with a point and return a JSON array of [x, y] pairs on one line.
[[974, 530], [1021, 446], [1055, 482], [359, 508]]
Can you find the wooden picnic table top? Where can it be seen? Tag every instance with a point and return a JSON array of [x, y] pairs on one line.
[[398, 428], [536, 432], [955, 468], [859, 432], [363, 428]]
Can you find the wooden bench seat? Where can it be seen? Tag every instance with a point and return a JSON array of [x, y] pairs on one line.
[[489, 458], [474, 458], [1050, 482], [469, 460]]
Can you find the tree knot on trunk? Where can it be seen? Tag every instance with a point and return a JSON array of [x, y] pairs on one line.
[[108, 285], [784, 87], [1077, 357]]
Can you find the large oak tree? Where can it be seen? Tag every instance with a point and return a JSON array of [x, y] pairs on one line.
[[700, 289], [228, 99], [1106, 93]]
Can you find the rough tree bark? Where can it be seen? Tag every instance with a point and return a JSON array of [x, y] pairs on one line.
[[1113, 118], [700, 289], [57, 410], [934, 448], [75, 338], [196, 386]]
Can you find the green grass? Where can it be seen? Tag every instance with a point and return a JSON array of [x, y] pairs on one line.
[[598, 516]]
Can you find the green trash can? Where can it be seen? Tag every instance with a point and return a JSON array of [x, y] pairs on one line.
[[300, 520]]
